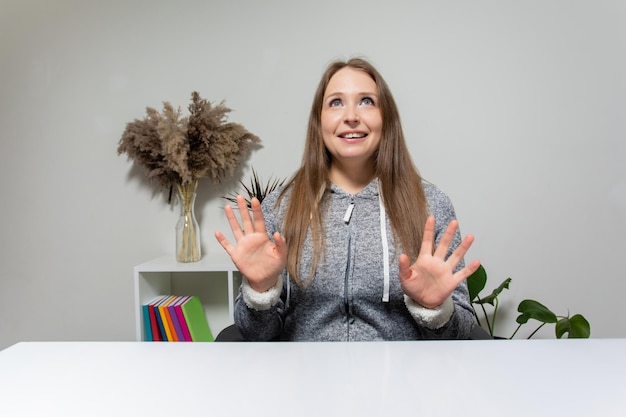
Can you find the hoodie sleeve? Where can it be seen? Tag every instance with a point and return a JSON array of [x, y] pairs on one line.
[[259, 316], [457, 307]]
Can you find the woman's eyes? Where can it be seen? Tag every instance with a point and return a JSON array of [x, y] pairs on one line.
[[368, 101]]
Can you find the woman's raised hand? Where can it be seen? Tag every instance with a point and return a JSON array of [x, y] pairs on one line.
[[259, 259], [431, 279]]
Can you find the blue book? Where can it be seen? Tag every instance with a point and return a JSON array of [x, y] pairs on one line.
[[149, 323]]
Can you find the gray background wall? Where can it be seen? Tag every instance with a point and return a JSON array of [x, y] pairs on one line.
[[515, 109]]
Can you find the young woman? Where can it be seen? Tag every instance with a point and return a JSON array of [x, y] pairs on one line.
[[356, 246]]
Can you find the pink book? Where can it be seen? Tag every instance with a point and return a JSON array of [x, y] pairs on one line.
[[181, 319]]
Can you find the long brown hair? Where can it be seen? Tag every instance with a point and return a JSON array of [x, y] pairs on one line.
[[401, 184]]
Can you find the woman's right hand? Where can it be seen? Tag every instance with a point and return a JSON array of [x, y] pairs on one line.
[[258, 259]]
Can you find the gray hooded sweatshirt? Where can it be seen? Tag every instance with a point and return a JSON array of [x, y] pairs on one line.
[[346, 299]]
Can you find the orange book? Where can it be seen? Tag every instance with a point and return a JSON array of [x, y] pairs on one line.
[[172, 320], [165, 317]]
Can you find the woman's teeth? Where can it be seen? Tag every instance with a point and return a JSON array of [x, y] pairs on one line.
[[353, 135]]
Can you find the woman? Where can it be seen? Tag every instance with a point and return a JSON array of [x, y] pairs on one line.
[[373, 252]]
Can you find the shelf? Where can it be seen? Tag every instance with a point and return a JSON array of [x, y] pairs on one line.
[[207, 263], [214, 279]]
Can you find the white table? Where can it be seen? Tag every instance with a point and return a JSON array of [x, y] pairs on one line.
[[450, 378]]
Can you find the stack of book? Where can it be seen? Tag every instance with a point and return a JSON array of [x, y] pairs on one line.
[[176, 318]]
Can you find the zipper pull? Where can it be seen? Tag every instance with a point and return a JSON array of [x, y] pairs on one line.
[[346, 217]]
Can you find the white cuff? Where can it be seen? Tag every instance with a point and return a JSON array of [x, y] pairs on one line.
[[261, 301], [432, 318]]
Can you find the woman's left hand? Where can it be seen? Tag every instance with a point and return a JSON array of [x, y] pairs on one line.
[[431, 279]]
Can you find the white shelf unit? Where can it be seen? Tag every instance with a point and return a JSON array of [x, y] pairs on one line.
[[214, 279]]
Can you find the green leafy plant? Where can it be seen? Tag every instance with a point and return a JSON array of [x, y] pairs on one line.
[[575, 326], [256, 189]]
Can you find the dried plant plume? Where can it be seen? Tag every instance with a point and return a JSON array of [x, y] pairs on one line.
[[174, 149]]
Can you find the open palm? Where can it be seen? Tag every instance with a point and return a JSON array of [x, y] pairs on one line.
[[258, 258], [431, 279]]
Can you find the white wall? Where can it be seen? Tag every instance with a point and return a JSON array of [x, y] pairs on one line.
[[515, 109]]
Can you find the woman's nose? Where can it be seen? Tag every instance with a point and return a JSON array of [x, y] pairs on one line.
[[352, 115]]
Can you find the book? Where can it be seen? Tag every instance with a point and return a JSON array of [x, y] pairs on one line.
[[173, 336], [196, 320], [147, 328], [159, 335], [181, 319], [149, 320], [166, 325], [145, 312], [180, 337]]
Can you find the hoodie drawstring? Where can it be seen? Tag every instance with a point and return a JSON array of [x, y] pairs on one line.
[[383, 236], [288, 291]]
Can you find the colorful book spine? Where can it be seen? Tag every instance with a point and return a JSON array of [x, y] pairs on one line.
[[159, 335], [175, 322], [164, 318], [172, 318], [149, 324], [181, 319], [196, 320]]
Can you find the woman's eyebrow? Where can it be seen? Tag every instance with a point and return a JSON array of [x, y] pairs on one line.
[[341, 93]]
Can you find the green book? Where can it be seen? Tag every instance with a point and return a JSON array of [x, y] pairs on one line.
[[196, 320]]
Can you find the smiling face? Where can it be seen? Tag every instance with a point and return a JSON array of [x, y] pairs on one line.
[[351, 120]]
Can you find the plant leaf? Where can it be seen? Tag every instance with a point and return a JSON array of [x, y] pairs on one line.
[[576, 326], [532, 309], [476, 282], [256, 189], [491, 298]]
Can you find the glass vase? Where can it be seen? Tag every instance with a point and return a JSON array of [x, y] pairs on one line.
[[187, 229]]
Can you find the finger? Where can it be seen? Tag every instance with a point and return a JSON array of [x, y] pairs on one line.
[[246, 220], [460, 251], [224, 242], [281, 245], [444, 244], [404, 267], [428, 238], [464, 273], [259, 220], [233, 222]]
